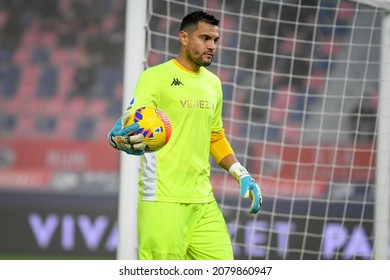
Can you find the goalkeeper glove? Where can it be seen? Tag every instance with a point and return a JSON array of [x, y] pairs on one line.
[[248, 187], [121, 138]]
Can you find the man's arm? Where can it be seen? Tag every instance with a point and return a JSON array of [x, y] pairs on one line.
[[223, 154]]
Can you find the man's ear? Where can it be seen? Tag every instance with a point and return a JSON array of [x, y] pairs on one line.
[[183, 37]]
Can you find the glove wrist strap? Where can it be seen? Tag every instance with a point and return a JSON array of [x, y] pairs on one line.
[[238, 171]]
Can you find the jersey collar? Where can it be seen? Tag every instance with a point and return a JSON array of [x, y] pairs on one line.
[[185, 69]]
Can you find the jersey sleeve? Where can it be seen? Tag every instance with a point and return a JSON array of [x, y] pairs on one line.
[[147, 91], [217, 124], [220, 146]]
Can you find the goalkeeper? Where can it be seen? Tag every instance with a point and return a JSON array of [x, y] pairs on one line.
[[178, 216]]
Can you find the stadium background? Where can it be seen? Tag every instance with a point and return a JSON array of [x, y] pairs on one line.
[[61, 83]]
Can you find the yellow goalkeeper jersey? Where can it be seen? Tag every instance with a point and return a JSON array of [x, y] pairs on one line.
[[180, 172]]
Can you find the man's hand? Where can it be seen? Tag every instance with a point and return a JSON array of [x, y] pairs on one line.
[[121, 137], [248, 187]]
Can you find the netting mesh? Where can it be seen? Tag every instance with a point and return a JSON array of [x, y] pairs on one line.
[[300, 82]]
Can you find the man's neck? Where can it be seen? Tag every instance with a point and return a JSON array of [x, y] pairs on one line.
[[187, 64]]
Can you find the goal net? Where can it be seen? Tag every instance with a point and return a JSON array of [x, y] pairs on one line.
[[302, 87]]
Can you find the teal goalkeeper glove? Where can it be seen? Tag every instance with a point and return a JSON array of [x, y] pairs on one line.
[[121, 138], [248, 187]]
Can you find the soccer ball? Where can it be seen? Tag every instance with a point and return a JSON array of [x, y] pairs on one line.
[[154, 124]]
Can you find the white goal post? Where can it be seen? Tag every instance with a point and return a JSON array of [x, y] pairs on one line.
[[129, 165], [306, 97], [382, 194]]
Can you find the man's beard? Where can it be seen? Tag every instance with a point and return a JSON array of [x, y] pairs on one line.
[[199, 61]]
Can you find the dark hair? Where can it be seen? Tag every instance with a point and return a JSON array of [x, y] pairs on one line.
[[198, 16]]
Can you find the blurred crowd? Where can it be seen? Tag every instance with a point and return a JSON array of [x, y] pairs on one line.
[[61, 62], [61, 67]]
